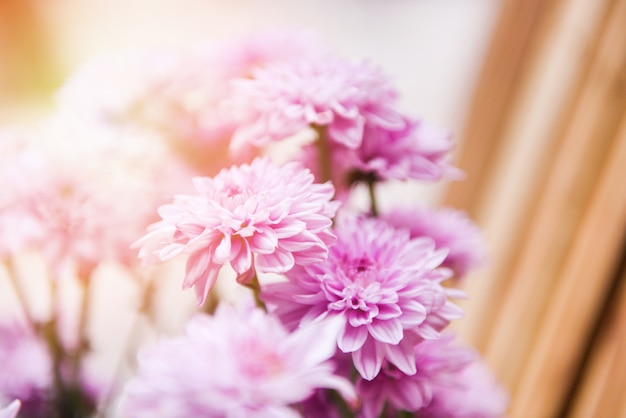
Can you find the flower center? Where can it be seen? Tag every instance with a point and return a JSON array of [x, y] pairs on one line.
[[361, 271], [358, 293]]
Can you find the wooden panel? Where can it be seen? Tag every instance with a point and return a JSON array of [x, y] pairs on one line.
[[576, 301], [517, 28], [530, 144], [601, 393], [550, 193]]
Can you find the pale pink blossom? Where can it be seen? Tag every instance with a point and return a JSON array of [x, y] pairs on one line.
[[241, 56], [285, 99], [438, 363], [11, 410], [78, 196], [450, 229], [20, 163], [255, 217], [235, 364], [171, 94], [385, 287], [177, 93], [473, 393]]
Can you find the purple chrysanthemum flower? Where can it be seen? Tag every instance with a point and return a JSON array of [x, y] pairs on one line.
[[26, 371], [235, 364], [438, 362], [384, 286], [419, 151], [258, 216], [282, 100], [11, 410], [449, 228], [416, 152], [474, 393]]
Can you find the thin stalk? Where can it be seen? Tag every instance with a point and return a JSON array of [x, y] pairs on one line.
[[72, 400], [255, 286], [9, 264], [323, 153], [83, 323], [148, 288], [372, 193]]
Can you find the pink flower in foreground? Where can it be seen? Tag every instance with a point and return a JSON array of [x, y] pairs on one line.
[[438, 362], [258, 216], [450, 229], [283, 100], [384, 286], [11, 410], [234, 364], [473, 393]]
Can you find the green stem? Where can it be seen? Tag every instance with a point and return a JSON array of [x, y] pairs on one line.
[[146, 310], [373, 206], [9, 264], [323, 153], [255, 286], [71, 399]]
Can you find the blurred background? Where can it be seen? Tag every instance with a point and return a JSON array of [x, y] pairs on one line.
[[534, 91]]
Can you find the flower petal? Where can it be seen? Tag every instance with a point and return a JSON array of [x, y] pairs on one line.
[[352, 338]]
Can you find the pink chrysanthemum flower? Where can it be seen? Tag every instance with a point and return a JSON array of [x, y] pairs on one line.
[[473, 393], [449, 228], [11, 410], [285, 99], [255, 217], [26, 371], [384, 286], [234, 364], [438, 362]]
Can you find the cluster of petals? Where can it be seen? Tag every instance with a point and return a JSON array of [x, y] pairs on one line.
[[237, 363], [26, 371], [257, 217], [385, 287], [474, 393], [77, 196], [418, 151], [439, 362], [340, 96], [450, 229], [11, 410]]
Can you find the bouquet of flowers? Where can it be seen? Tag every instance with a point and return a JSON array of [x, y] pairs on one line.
[[260, 161]]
